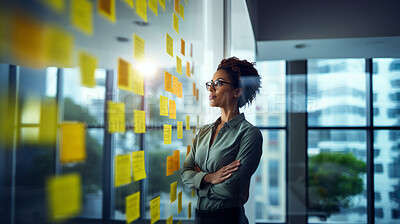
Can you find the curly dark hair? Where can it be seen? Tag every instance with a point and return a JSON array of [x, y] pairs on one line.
[[242, 75]]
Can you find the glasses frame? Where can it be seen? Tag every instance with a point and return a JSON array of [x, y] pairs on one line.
[[214, 84]]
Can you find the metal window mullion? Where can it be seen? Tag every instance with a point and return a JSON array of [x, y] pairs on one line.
[[60, 117]]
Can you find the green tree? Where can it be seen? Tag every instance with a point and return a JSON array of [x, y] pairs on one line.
[[334, 178]]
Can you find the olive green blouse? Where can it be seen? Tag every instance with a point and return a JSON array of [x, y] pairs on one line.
[[237, 139]]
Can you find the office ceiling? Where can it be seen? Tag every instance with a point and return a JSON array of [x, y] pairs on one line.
[[305, 29]]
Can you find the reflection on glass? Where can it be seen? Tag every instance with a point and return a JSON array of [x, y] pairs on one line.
[[337, 176], [387, 182], [86, 104], [270, 184], [269, 106], [91, 174], [386, 97], [336, 92]]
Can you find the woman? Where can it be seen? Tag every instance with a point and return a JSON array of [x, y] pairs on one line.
[[226, 153]]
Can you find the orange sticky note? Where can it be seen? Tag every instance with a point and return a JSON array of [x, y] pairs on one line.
[[73, 142], [138, 47], [179, 92], [82, 15], [172, 109], [170, 45], [175, 85], [187, 69], [194, 89], [197, 94], [182, 47], [167, 81], [179, 65], [163, 105], [153, 6], [64, 196], [187, 150], [177, 160], [175, 22], [107, 9], [176, 4], [141, 9], [124, 75], [170, 165]]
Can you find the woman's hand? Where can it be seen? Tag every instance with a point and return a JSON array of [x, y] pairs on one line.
[[222, 174]]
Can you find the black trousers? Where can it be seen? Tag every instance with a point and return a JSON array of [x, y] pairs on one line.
[[221, 216]]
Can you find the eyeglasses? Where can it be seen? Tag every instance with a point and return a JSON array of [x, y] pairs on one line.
[[216, 84]]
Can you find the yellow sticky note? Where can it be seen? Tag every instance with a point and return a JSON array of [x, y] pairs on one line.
[[139, 47], [170, 220], [56, 5], [28, 41], [170, 165], [177, 159], [141, 9], [122, 169], [182, 11], [180, 129], [182, 47], [116, 117], [190, 210], [174, 186], [172, 109], [180, 222], [170, 45], [139, 121], [179, 65], [163, 106], [82, 15], [179, 92], [48, 123], [155, 210], [130, 3], [187, 150], [64, 196], [73, 142], [138, 166], [193, 193], [167, 81], [60, 44], [175, 22], [88, 64], [153, 6], [132, 207], [187, 69], [107, 9], [175, 85], [138, 82], [167, 134], [179, 202], [176, 5], [187, 123], [162, 3], [124, 75]]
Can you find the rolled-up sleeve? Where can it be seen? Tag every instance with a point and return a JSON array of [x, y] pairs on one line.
[[249, 154], [190, 177]]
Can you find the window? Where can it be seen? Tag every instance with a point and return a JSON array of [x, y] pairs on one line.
[[378, 168]]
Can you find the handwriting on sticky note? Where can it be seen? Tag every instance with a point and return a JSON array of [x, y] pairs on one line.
[[179, 202], [139, 121], [138, 166], [170, 165], [138, 82], [122, 169], [169, 45], [174, 186], [182, 11], [88, 64], [82, 15], [172, 109], [64, 196], [162, 3], [179, 65], [138, 47], [177, 156], [179, 128], [116, 117], [168, 81], [175, 22], [141, 9], [73, 142], [170, 220], [132, 204], [167, 134], [153, 6], [163, 105], [124, 75], [155, 210]]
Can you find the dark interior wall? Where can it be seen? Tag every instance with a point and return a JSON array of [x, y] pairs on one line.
[[316, 19]]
